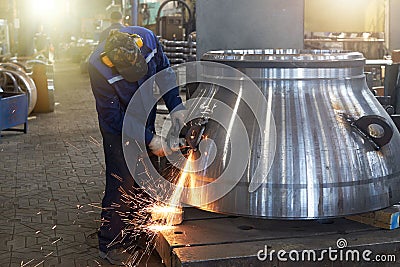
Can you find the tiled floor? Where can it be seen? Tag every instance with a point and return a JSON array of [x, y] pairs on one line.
[[51, 180]]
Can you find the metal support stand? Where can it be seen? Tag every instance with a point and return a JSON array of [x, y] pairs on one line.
[[209, 239]]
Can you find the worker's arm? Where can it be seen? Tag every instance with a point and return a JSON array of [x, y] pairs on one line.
[[167, 80], [108, 106]]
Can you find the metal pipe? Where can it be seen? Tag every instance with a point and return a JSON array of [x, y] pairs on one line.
[[134, 4]]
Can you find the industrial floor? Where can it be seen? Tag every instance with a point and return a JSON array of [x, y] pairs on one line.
[[52, 180]]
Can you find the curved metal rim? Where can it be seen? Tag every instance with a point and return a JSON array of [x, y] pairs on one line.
[[27, 85], [286, 58]]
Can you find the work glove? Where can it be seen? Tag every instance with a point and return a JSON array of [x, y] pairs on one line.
[[159, 147], [178, 122]]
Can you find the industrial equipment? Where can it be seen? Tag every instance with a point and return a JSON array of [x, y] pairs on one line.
[[33, 77], [371, 46], [4, 38], [171, 27], [179, 51], [14, 78], [43, 76], [384, 81], [336, 146], [177, 26], [13, 111]]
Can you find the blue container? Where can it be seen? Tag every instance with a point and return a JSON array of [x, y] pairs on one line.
[[13, 111]]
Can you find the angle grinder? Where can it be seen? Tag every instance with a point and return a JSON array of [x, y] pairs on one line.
[[187, 138]]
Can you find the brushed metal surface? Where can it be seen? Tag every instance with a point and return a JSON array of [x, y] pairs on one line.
[[322, 166]]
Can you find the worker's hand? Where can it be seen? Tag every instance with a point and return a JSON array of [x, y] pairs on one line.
[[178, 119], [159, 147]]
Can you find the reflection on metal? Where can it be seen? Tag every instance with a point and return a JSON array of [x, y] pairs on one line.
[[14, 78], [328, 162]]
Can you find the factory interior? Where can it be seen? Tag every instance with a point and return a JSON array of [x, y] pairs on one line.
[[274, 145]]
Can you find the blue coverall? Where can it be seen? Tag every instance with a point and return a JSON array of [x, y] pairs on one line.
[[113, 94]]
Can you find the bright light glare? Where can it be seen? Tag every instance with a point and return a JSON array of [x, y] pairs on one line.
[[160, 227], [43, 7], [165, 209]]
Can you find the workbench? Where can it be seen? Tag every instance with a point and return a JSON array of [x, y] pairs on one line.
[[209, 239]]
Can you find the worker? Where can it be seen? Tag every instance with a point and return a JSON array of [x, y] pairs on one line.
[[117, 67], [116, 23]]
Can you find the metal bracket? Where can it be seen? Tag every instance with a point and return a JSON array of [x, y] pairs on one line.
[[375, 129]]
